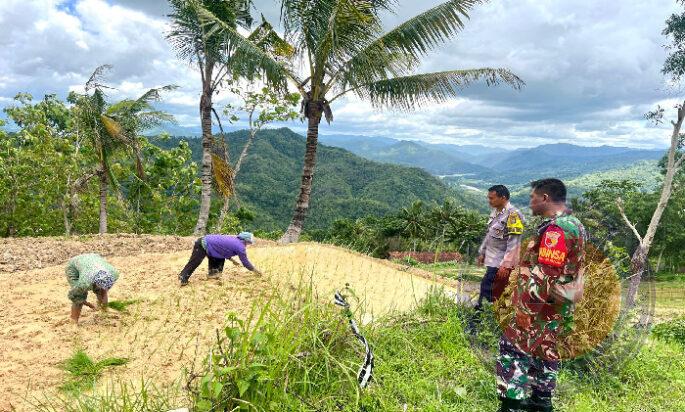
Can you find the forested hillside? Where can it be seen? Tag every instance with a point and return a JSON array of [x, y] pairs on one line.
[[347, 186]]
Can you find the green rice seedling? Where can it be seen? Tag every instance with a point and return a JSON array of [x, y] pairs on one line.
[[84, 372], [122, 305]]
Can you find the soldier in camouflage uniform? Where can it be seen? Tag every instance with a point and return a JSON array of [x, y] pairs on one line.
[[550, 283], [501, 246]]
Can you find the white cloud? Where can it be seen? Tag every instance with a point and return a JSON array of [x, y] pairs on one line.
[[592, 68]]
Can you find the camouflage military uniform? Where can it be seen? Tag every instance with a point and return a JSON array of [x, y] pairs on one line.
[[548, 286], [501, 246]]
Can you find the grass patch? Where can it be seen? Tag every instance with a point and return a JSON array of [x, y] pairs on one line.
[[120, 397], [296, 354], [673, 330], [122, 305], [457, 271], [84, 372]]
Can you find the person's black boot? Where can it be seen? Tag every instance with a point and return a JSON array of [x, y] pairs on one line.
[[511, 405], [540, 402]]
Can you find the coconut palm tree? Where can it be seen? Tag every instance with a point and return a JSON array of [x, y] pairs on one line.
[[211, 53], [343, 49], [111, 128]]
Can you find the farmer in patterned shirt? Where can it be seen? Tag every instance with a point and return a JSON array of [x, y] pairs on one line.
[[89, 272], [549, 284]]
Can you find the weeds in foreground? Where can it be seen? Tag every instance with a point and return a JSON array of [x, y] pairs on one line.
[[84, 372], [122, 397], [671, 331]]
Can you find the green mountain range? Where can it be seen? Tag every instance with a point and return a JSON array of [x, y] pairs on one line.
[[482, 166], [345, 184]]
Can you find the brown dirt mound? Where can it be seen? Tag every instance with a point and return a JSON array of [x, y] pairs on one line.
[[171, 328], [20, 254]]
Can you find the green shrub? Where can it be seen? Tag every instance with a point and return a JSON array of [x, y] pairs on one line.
[[673, 330]]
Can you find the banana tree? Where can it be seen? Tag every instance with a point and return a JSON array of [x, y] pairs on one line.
[[343, 49], [112, 128]]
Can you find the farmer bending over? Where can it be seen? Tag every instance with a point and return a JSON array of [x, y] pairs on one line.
[[89, 272], [218, 248]]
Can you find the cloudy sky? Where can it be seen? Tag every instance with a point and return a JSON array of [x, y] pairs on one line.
[[592, 68]]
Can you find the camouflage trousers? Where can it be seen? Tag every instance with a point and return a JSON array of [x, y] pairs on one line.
[[518, 373]]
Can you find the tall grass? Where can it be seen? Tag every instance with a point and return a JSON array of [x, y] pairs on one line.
[[121, 397], [296, 354]]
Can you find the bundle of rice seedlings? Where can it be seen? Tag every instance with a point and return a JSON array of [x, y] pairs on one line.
[[84, 372], [594, 316]]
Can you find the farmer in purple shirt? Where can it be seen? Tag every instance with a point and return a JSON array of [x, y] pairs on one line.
[[218, 248]]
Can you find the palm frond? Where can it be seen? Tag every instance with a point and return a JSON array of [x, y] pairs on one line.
[[113, 128], [95, 80], [401, 49], [266, 38], [154, 95], [410, 92], [189, 38], [248, 58], [429, 29], [350, 25]]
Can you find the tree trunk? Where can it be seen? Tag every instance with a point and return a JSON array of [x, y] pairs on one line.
[[243, 154], [206, 173], [658, 261], [67, 220], [292, 234], [638, 267], [103, 199], [639, 261]]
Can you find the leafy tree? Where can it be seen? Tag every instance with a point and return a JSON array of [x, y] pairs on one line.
[[260, 108], [345, 49], [111, 128], [166, 201], [35, 165]]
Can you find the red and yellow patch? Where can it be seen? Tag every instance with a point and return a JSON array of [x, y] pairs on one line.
[[553, 250]]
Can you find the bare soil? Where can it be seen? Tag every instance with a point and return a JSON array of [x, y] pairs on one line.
[[172, 327]]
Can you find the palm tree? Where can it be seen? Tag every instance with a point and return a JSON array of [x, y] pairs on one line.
[[413, 222], [344, 49], [211, 52], [110, 128]]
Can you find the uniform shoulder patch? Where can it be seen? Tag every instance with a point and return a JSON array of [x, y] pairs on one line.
[[514, 224], [553, 250]]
